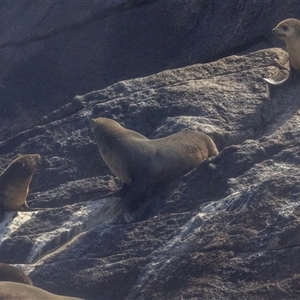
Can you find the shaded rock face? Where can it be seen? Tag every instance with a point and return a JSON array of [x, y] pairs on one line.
[[51, 51], [229, 229]]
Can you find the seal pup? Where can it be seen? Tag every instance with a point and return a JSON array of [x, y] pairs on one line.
[[19, 291], [141, 163], [289, 31], [14, 183], [11, 273]]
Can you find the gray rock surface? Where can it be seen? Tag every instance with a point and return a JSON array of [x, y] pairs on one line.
[[227, 230], [52, 50]]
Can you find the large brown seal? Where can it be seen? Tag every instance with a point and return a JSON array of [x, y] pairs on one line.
[[11, 273], [14, 183], [19, 291], [289, 31], [142, 164]]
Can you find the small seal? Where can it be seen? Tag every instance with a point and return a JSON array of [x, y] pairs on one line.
[[14, 183], [289, 31], [13, 290], [141, 163], [11, 273]]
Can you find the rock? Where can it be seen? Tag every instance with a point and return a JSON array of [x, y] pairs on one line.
[[53, 50], [222, 231]]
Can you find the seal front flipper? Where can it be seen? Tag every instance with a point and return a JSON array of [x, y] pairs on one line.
[[135, 201]]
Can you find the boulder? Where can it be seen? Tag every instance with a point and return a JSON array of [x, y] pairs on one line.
[[52, 50], [226, 230]]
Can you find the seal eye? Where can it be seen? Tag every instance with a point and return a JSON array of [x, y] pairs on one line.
[[285, 27]]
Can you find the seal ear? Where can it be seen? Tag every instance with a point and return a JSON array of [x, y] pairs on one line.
[[298, 29]]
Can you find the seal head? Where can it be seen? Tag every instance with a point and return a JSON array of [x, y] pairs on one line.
[[14, 183], [289, 31]]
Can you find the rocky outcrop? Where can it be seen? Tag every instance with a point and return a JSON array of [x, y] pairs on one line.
[[227, 230], [52, 50]]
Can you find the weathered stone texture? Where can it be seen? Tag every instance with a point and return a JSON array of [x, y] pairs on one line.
[[229, 229]]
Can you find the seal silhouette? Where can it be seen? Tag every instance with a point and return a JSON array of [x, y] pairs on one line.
[[289, 31], [142, 163], [14, 291], [14, 183], [11, 273]]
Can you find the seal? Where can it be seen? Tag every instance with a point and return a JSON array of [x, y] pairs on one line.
[[13, 290], [289, 31], [11, 273], [143, 164], [14, 183]]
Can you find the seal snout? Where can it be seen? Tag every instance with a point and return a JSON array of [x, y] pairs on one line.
[[36, 157], [33, 158], [278, 32]]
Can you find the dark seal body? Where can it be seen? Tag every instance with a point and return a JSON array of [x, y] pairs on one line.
[[11, 273], [142, 163]]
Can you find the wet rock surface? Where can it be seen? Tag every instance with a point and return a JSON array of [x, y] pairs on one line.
[[226, 230]]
